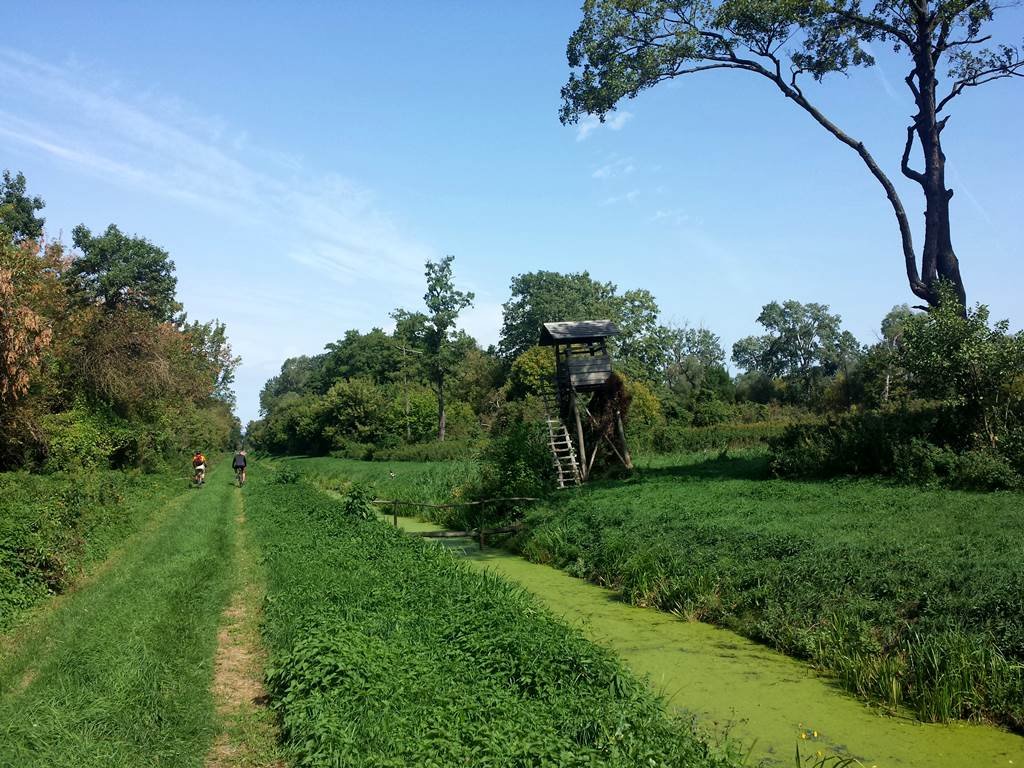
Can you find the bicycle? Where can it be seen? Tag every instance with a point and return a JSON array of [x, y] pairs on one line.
[[240, 476]]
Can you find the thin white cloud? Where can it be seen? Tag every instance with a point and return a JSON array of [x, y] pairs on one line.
[[157, 145], [628, 197], [671, 215], [589, 124], [879, 71], [619, 167]]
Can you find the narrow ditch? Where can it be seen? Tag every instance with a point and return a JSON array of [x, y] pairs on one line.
[[770, 701]]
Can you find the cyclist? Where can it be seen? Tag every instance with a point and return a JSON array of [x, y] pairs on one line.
[[238, 464], [199, 468]]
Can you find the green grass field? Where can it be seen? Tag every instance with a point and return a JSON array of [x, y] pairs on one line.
[[387, 651], [117, 673], [911, 597]]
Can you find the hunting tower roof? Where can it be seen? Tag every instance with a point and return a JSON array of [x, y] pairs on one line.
[[582, 330]]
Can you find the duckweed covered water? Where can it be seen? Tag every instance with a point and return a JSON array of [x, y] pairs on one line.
[[762, 697]]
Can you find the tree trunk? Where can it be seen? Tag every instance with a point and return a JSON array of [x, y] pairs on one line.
[[442, 417], [938, 259]]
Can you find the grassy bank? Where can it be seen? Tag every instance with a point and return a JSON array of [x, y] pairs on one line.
[[910, 597], [117, 673], [422, 482], [386, 651], [54, 526]]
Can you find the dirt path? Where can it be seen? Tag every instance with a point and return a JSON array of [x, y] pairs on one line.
[[248, 737]]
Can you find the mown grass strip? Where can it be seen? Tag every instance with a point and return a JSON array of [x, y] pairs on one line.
[[386, 651], [54, 527], [123, 678]]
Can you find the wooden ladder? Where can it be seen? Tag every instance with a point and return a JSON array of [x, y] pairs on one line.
[[563, 452]]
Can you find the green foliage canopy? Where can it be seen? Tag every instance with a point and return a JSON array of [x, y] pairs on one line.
[[115, 270], [803, 344], [18, 210]]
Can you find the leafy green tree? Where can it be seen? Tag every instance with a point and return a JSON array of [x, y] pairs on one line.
[[969, 364], [624, 46], [18, 210], [532, 372], [374, 355], [478, 379], [543, 297], [115, 270], [434, 333], [804, 343], [354, 409], [298, 376], [641, 343], [882, 360], [212, 350], [694, 359]]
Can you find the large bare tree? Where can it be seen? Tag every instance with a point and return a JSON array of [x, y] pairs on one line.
[[624, 46]]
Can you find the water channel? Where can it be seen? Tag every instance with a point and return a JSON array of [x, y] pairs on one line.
[[767, 700]]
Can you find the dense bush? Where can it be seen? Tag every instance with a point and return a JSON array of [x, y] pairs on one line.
[[386, 651], [98, 368], [677, 438], [52, 525], [449, 450], [922, 444]]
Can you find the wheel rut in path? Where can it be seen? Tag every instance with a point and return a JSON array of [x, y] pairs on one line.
[[248, 736]]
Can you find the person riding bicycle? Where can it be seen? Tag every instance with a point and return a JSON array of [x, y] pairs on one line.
[[238, 464], [199, 467]]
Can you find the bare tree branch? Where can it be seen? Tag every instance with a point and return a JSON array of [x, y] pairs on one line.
[[909, 172]]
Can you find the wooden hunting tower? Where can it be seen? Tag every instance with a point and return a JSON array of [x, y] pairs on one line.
[[583, 373]]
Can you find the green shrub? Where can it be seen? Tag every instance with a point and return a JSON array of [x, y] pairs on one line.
[[517, 463], [924, 444], [358, 502], [78, 439], [53, 525], [677, 438], [285, 476], [984, 470]]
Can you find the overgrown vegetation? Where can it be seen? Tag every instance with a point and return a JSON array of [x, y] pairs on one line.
[[910, 597], [52, 526], [98, 365], [949, 389], [387, 651]]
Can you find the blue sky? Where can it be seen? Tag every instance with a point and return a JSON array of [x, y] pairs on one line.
[[300, 161]]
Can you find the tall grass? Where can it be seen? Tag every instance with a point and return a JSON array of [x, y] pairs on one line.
[[54, 526], [913, 598]]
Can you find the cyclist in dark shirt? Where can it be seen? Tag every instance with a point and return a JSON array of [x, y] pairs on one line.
[[238, 463]]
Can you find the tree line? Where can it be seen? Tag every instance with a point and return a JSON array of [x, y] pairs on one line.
[[99, 364], [425, 383]]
